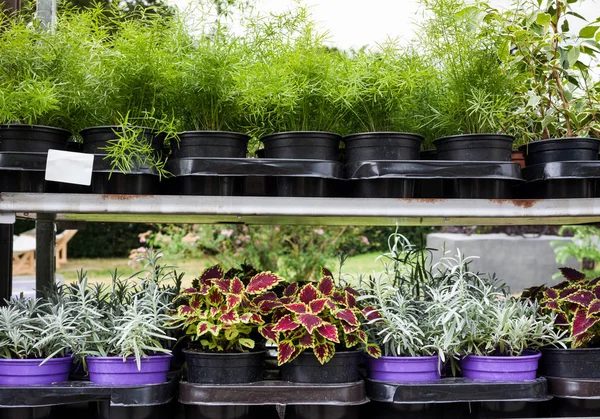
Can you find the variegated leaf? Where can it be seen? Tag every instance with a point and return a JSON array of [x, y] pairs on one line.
[[291, 290], [326, 272], [329, 332], [285, 351], [268, 333], [324, 352], [214, 272], [285, 324], [581, 323], [582, 298], [308, 293], [185, 310], [215, 298], [306, 340], [551, 294], [230, 317], [326, 286], [568, 291], [594, 308], [351, 340], [317, 306], [236, 286], [347, 315], [262, 282], [202, 328], [571, 274], [298, 308], [373, 350], [233, 301], [268, 306], [309, 321]]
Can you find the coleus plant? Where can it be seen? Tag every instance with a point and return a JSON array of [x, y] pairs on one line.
[[221, 311], [315, 316], [577, 304]]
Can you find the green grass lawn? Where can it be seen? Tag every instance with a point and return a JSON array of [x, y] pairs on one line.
[[99, 270]]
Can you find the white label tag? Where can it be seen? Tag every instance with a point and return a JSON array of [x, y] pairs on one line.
[[69, 167], [7, 218]]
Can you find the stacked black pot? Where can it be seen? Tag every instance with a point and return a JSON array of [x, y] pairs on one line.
[[23, 154], [561, 168], [107, 179]]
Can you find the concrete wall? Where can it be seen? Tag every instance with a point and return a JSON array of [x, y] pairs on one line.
[[518, 261]]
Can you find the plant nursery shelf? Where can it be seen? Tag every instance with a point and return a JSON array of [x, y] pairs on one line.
[[312, 211]]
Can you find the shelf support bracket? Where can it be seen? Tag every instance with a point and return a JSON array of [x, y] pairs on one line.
[[45, 252], [7, 221]]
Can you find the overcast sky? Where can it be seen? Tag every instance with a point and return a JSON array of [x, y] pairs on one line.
[[354, 23]]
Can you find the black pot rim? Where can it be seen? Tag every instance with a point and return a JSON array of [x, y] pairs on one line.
[[383, 134], [212, 132], [35, 127], [562, 140], [112, 128], [223, 354], [501, 137], [298, 133]]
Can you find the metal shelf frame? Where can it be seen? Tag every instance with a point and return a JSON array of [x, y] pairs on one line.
[[48, 209]]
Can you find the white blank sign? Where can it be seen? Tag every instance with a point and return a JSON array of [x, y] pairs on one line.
[[69, 167]]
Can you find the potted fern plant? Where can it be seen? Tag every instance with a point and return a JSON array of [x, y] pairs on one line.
[[382, 93], [36, 341], [221, 314], [473, 84], [32, 95], [317, 329], [289, 89], [208, 110]]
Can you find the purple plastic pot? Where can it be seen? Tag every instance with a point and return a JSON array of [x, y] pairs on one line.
[[23, 372], [114, 371], [404, 369], [501, 368]]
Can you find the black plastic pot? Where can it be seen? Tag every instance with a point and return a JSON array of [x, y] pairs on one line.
[[210, 144], [24, 172], [571, 363], [475, 147], [32, 138], [559, 180], [560, 149], [428, 155], [254, 177], [306, 368], [95, 139], [302, 145], [140, 181], [382, 146], [224, 368]]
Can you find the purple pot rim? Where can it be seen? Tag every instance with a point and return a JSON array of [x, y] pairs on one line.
[[405, 358], [529, 355], [128, 359], [38, 361]]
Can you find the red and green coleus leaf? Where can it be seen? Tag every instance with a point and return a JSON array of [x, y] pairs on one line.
[[551, 305], [202, 328], [247, 343], [362, 336], [215, 298], [583, 298], [253, 318], [326, 272], [581, 323], [233, 301], [324, 351], [329, 332], [214, 272], [267, 306], [317, 306], [236, 286], [551, 294], [572, 275], [594, 308], [350, 300], [308, 293], [285, 352], [267, 296], [290, 290], [222, 285], [285, 324], [298, 308], [351, 340], [185, 311], [561, 320], [348, 328], [326, 286], [268, 333], [373, 350], [309, 321], [347, 315], [306, 340], [371, 313], [565, 292], [229, 317], [338, 298], [262, 282]]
